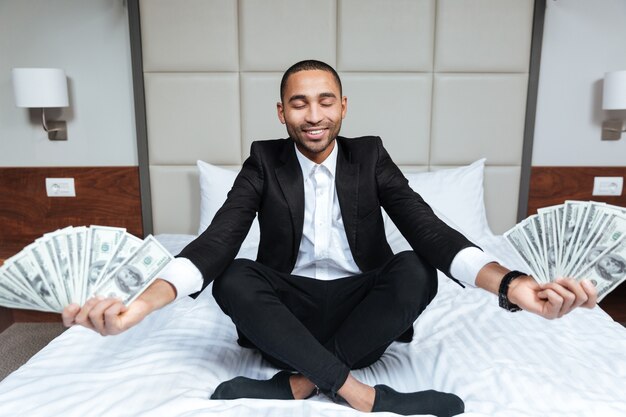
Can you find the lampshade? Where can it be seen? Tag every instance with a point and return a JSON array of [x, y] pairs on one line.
[[614, 94], [40, 87]]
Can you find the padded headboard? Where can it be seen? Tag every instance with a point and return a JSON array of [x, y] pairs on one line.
[[443, 82]]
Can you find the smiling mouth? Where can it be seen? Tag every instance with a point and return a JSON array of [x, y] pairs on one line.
[[315, 134]]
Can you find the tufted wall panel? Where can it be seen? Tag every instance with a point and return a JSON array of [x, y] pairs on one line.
[[443, 82]]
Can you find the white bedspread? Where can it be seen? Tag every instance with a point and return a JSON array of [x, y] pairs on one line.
[[500, 363]]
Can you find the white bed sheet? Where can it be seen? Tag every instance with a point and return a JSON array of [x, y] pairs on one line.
[[500, 363]]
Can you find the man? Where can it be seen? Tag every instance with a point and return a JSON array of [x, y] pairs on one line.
[[326, 294]]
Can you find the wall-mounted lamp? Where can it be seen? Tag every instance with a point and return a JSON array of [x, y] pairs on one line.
[[42, 88], [614, 98]]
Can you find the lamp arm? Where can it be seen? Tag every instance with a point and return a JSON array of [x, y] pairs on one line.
[[57, 130], [43, 119], [45, 125]]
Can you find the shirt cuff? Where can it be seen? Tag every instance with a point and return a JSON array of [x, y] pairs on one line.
[[467, 263], [183, 275]]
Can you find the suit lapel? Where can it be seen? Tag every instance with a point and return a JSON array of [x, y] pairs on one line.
[[347, 183], [289, 176]]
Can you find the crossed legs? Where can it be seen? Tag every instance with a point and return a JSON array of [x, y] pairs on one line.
[[322, 329]]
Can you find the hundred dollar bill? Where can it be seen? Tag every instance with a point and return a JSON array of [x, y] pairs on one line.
[[57, 247], [574, 213], [103, 242], [605, 224], [133, 276], [13, 279], [613, 234], [516, 239], [45, 263], [609, 270], [12, 297], [43, 250], [127, 246], [13, 293], [72, 255], [529, 232], [35, 279], [25, 278], [593, 220], [81, 235], [553, 216], [548, 240]]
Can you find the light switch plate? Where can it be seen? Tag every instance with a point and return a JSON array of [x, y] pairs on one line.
[[60, 187], [608, 185]]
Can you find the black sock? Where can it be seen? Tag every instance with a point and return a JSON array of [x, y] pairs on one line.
[[276, 388], [437, 403]]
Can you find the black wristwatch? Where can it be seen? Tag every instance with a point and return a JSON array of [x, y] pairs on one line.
[[503, 298]]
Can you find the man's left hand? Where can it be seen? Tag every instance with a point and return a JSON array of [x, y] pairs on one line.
[[554, 299]]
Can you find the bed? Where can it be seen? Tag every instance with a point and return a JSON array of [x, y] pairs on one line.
[[458, 71], [500, 363]]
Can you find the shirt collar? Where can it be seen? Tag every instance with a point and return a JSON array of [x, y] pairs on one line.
[[307, 165]]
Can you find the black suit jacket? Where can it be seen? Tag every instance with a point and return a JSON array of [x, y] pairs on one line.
[[270, 183]]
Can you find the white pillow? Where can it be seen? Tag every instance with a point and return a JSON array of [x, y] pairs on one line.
[[456, 195], [215, 183]]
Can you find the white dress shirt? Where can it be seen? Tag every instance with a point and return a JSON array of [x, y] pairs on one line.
[[324, 252]]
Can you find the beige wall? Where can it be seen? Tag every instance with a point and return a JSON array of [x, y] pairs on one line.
[[89, 40]]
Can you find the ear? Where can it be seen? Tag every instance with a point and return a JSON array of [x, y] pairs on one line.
[[281, 112], [344, 106]]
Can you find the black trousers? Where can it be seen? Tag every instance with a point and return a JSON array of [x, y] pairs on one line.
[[323, 329]]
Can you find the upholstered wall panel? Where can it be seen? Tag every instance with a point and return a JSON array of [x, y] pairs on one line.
[[175, 198], [443, 82], [259, 117], [194, 35], [382, 35], [476, 116], [395, 107], [193, 116], [483, 35], [501, 196], [277, 33]]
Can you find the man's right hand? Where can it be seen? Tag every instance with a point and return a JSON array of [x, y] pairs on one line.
[[109, 316]]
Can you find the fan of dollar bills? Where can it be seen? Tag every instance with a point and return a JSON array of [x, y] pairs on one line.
[[577, 239], [73, 264]]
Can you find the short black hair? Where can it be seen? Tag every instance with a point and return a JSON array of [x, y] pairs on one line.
[[308, 65]]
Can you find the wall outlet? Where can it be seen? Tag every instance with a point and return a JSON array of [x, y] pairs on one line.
[[608, 185], [60, 187]]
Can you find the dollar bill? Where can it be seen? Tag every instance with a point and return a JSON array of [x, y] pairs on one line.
[[578, 239], [68, 266], [33, 277], [16, 298], [609, 269], [103, 242], [531, 235], [41, 255], [12, 290], [137, 272], [515, 237], [58, 250], [82, 248], [127, 246]]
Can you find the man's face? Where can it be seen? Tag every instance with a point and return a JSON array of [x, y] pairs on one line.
[[312, 110]]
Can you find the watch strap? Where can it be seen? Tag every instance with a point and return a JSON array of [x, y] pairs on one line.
[[503, 298]]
